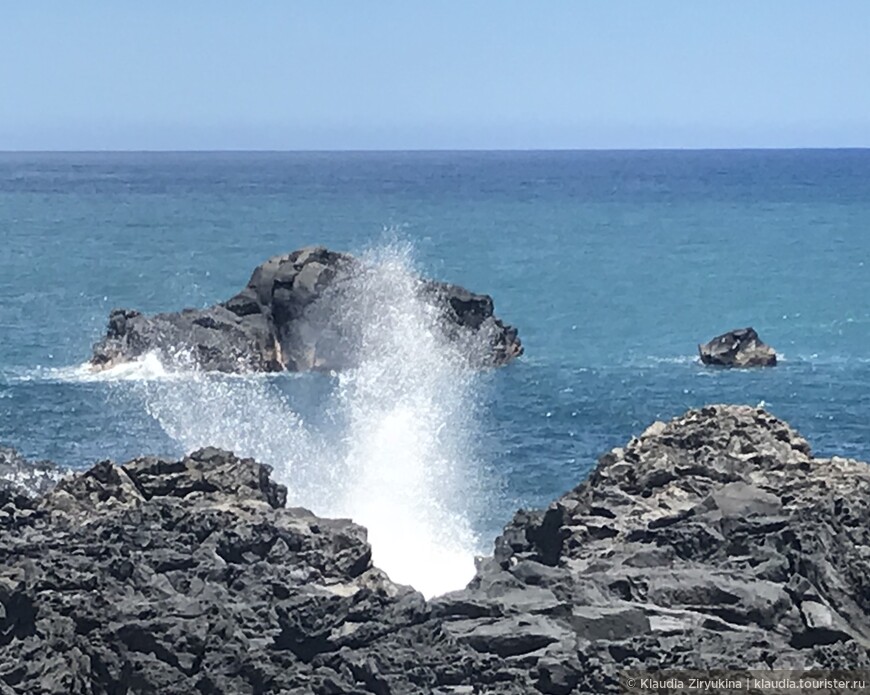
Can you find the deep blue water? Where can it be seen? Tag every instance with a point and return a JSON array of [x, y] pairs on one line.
[[613, 265]]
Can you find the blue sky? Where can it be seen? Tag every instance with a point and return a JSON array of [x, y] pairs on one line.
[[406, 75]]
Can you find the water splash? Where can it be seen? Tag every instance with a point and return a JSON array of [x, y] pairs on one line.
[[147, 367], [411, 407], [392, 446]]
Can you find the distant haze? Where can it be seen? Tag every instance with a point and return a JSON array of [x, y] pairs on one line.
[[447, 75]]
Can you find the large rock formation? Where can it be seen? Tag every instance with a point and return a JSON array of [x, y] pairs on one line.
[[712, 541], [303, 311], [738, 348]]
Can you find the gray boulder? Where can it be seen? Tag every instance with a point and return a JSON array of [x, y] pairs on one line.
[[307, 310], [738, 348]]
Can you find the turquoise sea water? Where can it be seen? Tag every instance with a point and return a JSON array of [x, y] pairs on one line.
[[613, 265]]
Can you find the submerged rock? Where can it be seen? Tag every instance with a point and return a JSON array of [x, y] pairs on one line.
[[714, 541], [307, 310], [738, 348]]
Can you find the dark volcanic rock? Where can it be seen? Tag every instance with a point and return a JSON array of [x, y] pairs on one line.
[[303, 311], [190, 576], [715, 541], [738, 348]]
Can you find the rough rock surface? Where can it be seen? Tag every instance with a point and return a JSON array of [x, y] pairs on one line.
[[191, 577], [712, 541], [738, 348], [294, 315]]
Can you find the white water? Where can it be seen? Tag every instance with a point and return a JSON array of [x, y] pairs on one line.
[[411, 414], [396, 454], [147, 367]]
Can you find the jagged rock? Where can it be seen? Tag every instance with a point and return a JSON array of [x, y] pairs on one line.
[[738, 348], [190, 576], [714, 541], [737, 548], [302, 311]]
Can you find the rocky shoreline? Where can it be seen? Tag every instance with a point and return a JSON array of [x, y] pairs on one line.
[[714, 541]]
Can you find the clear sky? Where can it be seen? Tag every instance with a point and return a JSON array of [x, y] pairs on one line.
[[406, 74]]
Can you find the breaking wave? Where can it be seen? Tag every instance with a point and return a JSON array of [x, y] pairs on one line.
[[389, 443]]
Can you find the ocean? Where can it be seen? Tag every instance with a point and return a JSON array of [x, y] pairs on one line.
[[612, 265]]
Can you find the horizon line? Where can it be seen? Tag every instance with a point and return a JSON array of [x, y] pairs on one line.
[[422, 150]]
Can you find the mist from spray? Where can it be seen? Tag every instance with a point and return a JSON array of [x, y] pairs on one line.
[[410, 405], [395, 448]]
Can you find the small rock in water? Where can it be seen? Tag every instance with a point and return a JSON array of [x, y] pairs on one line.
[[738, 348]]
